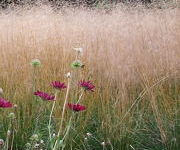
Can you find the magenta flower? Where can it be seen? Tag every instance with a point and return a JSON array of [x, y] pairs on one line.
[[44, 96], [58, 85], [87, 85], [5, 104], [76, 107]]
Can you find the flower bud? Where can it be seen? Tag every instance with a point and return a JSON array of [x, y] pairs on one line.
[[68, 75], [77, 64], [35, 62]]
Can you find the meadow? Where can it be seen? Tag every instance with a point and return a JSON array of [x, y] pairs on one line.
[[130, 55]]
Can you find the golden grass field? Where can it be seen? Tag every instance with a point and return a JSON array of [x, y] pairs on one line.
[[131, 55]]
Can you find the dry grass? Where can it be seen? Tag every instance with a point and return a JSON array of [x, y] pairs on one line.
[[127, 54]]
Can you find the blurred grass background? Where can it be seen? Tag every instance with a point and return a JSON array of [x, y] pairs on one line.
[[131, 55]]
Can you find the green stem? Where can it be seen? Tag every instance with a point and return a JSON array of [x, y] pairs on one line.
[[63, 112], [50, 116]]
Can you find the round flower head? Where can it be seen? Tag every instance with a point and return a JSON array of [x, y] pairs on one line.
[[87, 85], [35, 62], [77, 64], [76, 107], [5, 104], [58, 85], [44, 96]]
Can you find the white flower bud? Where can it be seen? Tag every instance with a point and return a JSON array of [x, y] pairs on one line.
[[68, 75]]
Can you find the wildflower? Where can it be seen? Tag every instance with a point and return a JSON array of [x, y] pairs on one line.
[[12, 115], [78, 49], [58, 85], [77, 64], [87, 85], [4, 103], [76, 107], [35, 62], [1, 91], [44, 96], [68, 75], [1, 143]]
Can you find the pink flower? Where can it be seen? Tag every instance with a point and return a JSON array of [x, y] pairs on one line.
[[5, 104], [44, 96], [87, 85], [76, 107], [58, 85]]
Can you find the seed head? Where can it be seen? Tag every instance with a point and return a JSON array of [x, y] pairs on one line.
[[35, 62]]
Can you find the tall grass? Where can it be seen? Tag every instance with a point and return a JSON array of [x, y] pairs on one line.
[[132, 56]]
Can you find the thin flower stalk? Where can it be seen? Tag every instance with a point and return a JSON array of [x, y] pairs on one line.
[[63, 112], [50, 116]]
